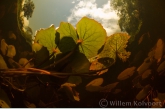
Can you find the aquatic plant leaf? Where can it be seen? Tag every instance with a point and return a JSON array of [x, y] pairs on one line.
[[46, 37], [101, 63], [3, 104], [74, 80], [115, 46], [23, 62], [136, 82], [4, 100], [161, 96], [159, 50], [109, 87], [93, 88], [144, 66], [68, 37], [29, 105], [95, 82], [3, 46], [79, 64], [157, 104], [11, 52], [40, 56], [3, 64], [161, 67], [72, 94], [146, 74], [116, 91], [127, 73], [11, 35], [143, 93], [94, 85], [91, 36], [36, 47], [67, 30]]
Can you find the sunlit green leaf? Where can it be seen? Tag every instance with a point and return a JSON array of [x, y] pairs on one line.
[[91, 36], [46, 37], [115, 46], [68, 37], [36, 47], [67, 30]]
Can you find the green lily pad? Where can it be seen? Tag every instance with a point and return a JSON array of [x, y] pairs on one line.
[[68, 37], [115, 46], [91, 36], [67, 30], [46, 37]]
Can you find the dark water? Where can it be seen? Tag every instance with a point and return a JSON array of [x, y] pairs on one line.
[[131, 84]]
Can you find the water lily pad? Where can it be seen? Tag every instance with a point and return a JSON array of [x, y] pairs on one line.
[[115, 46], [68, 37], [91, 36], [46, 37]]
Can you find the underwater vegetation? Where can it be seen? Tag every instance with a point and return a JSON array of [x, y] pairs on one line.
[[79, 66]]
